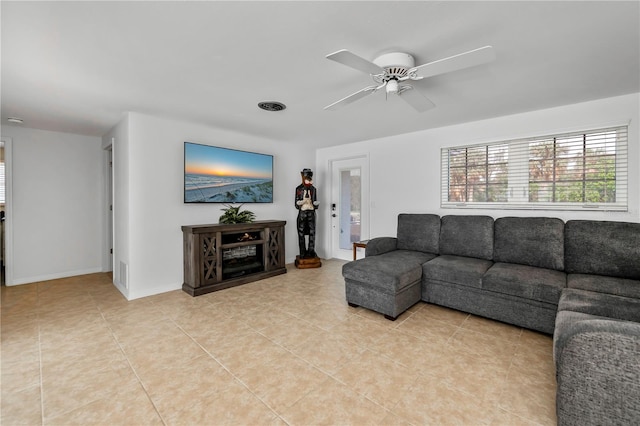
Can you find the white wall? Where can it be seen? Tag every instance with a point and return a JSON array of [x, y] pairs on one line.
[[150, 198], [118, 139], [57, 204], [58, 187], [405, 169]]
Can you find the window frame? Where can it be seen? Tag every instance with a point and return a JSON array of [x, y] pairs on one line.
[[519, 157]]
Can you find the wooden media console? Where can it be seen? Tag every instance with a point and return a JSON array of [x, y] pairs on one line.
[[221, 256]]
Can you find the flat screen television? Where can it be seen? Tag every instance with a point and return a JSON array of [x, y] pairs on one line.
[[221, 175]]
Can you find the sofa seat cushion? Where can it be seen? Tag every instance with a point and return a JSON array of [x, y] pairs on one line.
[[529, 282], [602, 284], [390, 272], [600, 304], [461, 270]]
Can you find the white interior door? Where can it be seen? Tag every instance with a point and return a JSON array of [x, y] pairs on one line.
[[109, 213], [349, 205]]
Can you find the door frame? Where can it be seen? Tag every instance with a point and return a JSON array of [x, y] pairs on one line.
[[8, 211], [336, 164], [108, 255]]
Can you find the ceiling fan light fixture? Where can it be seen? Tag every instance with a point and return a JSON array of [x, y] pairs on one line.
[[392, 87], [390, 69]]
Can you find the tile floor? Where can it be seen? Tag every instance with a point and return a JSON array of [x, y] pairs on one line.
[[282, 351]]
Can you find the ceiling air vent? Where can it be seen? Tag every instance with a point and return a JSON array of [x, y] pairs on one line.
[[272, 106]]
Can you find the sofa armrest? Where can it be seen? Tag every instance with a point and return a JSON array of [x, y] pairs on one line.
[[380, 245], [598, 373]]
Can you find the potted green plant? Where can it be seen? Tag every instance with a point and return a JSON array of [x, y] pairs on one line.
[[234, 215]]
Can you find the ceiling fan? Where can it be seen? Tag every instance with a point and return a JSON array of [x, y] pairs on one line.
[[390, 70]]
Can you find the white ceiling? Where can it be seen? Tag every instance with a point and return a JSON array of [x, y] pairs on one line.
[[78, 66]]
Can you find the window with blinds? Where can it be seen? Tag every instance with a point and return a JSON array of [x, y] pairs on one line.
[[581, 170]]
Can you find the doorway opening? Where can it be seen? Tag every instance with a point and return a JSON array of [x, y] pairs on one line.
[[349, 205]]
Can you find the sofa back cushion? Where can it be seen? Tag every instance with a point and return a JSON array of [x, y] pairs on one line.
[[602, 248], [469, 236], [419, 232], [532, 241]]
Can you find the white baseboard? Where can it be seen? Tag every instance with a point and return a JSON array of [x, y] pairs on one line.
[[66, 274], [121, 288], [152, 291]]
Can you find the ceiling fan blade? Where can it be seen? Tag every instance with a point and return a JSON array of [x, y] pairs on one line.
[[453, 63], [416, 99], [352, 60], [353, 97]]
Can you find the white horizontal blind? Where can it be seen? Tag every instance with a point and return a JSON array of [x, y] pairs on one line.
[[570, 171]]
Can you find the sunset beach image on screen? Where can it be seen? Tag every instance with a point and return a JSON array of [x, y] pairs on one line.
[[223, 175]]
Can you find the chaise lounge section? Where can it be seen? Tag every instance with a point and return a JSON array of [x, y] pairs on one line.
[[388, 279]]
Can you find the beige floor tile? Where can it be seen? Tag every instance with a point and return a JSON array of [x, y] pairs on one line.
[[297, 304], [423, 325], [21, 407], [73, 389], [282, 381], [432, 401], [411, 351], [491, 327], [485, 345], [187, 377], [333, 403], [216, 332], [242, 352], [136, 334], [327, 352], [193, 315], [150, 354], [504, 418], [291, 334], [90, 335], [17, 376], [128, 405], [266, 316], [444, 314], [326, 316], [132, 312], [534, 341], [360, 331], [377, 377], [73, 320], [232, 405], [534, 363], [287, 350], [392, 419], [527, 397], [482, 377]]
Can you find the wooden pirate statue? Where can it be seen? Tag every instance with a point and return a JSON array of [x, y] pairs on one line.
[[307, 203]]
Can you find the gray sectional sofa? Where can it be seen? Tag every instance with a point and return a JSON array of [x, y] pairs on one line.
[[579, 281]]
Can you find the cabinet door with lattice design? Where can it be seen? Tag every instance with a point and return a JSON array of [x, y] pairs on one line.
[[210, 265], [274, 255]]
